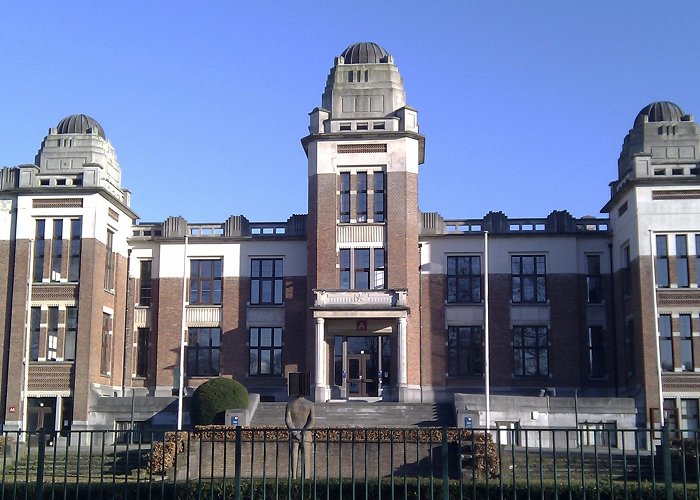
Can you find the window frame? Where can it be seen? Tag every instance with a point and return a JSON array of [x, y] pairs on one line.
[[52, 333], [201, 276], [145, 282], [361, 198], [272, 352], [666, 358], [70, 337], [258, 290], [594, 292], [465, 351], [56, 250], [663, 277], [596, 352], [375, 272], [74, 250], [109, 261], [141, 347], [35, 333], [39, 250], [521, 351], [211, 366], [687, 354], [471, 280], [379, 186], [682, 270], [344, 197], [537, 279], [106, 345]]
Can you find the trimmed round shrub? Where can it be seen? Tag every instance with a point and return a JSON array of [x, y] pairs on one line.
[[211, 400]]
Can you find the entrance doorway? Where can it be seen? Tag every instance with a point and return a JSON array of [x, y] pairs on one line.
[[362, 365], [41, 413], [362, 375]]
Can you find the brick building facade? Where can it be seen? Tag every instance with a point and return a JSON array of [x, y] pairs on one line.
[[108, 319]]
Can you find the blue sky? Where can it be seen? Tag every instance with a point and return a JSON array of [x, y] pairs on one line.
[[524, 104]]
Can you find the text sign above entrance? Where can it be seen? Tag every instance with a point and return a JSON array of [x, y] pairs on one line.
[[362, 325]]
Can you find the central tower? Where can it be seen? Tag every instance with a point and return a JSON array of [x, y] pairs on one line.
[[363, 152]]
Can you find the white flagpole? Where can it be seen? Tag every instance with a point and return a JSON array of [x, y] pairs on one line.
[[183, 339], [27, 335], [487, 377], [656, 325]]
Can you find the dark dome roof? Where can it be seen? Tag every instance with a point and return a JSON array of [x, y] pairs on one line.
[[660, 111], [365, 52], [80, 124]]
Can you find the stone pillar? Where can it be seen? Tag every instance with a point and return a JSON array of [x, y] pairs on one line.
[[401, 351], [320, 382]]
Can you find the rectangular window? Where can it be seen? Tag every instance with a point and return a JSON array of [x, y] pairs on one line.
[[379, 267], [265, 349], [109, 262], [666, 342], [39, 248], [52, 334], [345, 197], [141, 358], [689, 418], [662, 276], [145, 283], [71, 333], [203, 352], [465, 351], [76, 228], [596, 352], [682, 261], [697, 259], [361, 196], [630, 356], [593, 279], [345, 269], [205, 282], [463, 279], [361, 268], [603, 434], [57, 250], [35, 333], [266, 280], [530, 351], [686, 340], [379, 199], [528, 278], [106, 348], [626, 271]]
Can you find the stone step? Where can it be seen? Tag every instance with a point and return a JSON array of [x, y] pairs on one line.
[[364, 414]]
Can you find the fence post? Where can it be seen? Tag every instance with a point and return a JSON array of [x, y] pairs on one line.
[[666, 456], [41, 455], [445, 465], [237, 487]]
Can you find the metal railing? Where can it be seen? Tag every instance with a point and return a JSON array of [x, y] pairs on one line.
[[220, 462]]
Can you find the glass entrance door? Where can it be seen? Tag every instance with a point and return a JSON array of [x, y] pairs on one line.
[[361, 375], [361, 365]]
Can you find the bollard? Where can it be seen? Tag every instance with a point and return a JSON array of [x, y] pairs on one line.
[[666, 456], [41, 456]]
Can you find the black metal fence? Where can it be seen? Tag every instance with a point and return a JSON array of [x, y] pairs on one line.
[[227, 462]]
